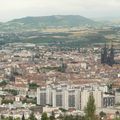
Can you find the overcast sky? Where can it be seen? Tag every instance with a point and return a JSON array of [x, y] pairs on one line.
[[10, 9]]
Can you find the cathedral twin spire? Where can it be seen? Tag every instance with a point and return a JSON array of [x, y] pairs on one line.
[[107, 55]]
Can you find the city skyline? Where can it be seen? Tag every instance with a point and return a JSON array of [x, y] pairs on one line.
[[11, 9]]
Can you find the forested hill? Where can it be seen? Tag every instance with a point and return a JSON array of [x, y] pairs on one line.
[[46, 21]]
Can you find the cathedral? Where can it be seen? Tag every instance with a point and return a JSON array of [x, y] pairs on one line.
[[107, 55]]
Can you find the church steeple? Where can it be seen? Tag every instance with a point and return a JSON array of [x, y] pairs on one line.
[[104, 54], [111, 54], [107, 55]]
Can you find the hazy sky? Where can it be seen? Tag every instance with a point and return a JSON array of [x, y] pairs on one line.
[[10, 9]]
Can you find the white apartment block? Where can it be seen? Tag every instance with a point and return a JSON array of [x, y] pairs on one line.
[[66, 96]]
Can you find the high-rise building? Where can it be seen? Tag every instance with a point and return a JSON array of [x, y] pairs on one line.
[[44, 96], [65, 96], [59, 97]]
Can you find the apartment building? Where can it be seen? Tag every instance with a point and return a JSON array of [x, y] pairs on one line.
[[66, 96]]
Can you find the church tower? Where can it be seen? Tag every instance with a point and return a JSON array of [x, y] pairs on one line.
[[107, 55], [111, 56], [104, 55]]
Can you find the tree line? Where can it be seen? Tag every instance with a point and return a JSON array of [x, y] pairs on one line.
[[90, 114]]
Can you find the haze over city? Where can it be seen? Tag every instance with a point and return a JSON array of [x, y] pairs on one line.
[[11, 9], [59, 60]]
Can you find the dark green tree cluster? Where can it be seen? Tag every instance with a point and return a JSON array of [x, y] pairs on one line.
[[12, 91], [102, 115], [6, 101], [29, 100], [8, 118], [23, 117], [32, 117], [109, 86], [71, 117], [44, 116], [90, 110], [61, 117], [52, 117], [3, 83], [33, 86]]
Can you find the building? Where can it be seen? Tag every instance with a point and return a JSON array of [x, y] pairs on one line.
[[70, 96], [44, 96], [117, 97], [62, 97], [107, 55], [97, 96], [108, 100]]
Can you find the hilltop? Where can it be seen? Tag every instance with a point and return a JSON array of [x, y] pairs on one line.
[[46, 21]]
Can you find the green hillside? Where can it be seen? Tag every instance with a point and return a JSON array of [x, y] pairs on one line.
[[45, 21]]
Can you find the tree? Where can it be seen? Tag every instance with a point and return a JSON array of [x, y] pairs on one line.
[[78, 117], [2, 117], [71, 117], [116, 119], [102, 115], [63, 110], [12, 91], [52, 117], [33, 86], [109, 86], [17, 118], [23, 117], [68, 117], [44, 116], [60, 117], [32, 116], [10, 118], [3, 83], [6, 101], [117, 115], [90, 108]]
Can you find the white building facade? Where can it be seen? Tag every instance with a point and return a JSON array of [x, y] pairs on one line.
[[66, 96]]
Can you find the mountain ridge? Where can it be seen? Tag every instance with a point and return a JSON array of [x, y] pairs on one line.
[[46, 21]]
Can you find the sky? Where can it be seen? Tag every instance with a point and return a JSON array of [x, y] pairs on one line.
[[11, 9]]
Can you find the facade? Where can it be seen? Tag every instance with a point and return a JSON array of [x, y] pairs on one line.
[[44, 96], [97, 96], [108, 100], [59, 97], [117, 97], [84, 98], [72, 97]]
